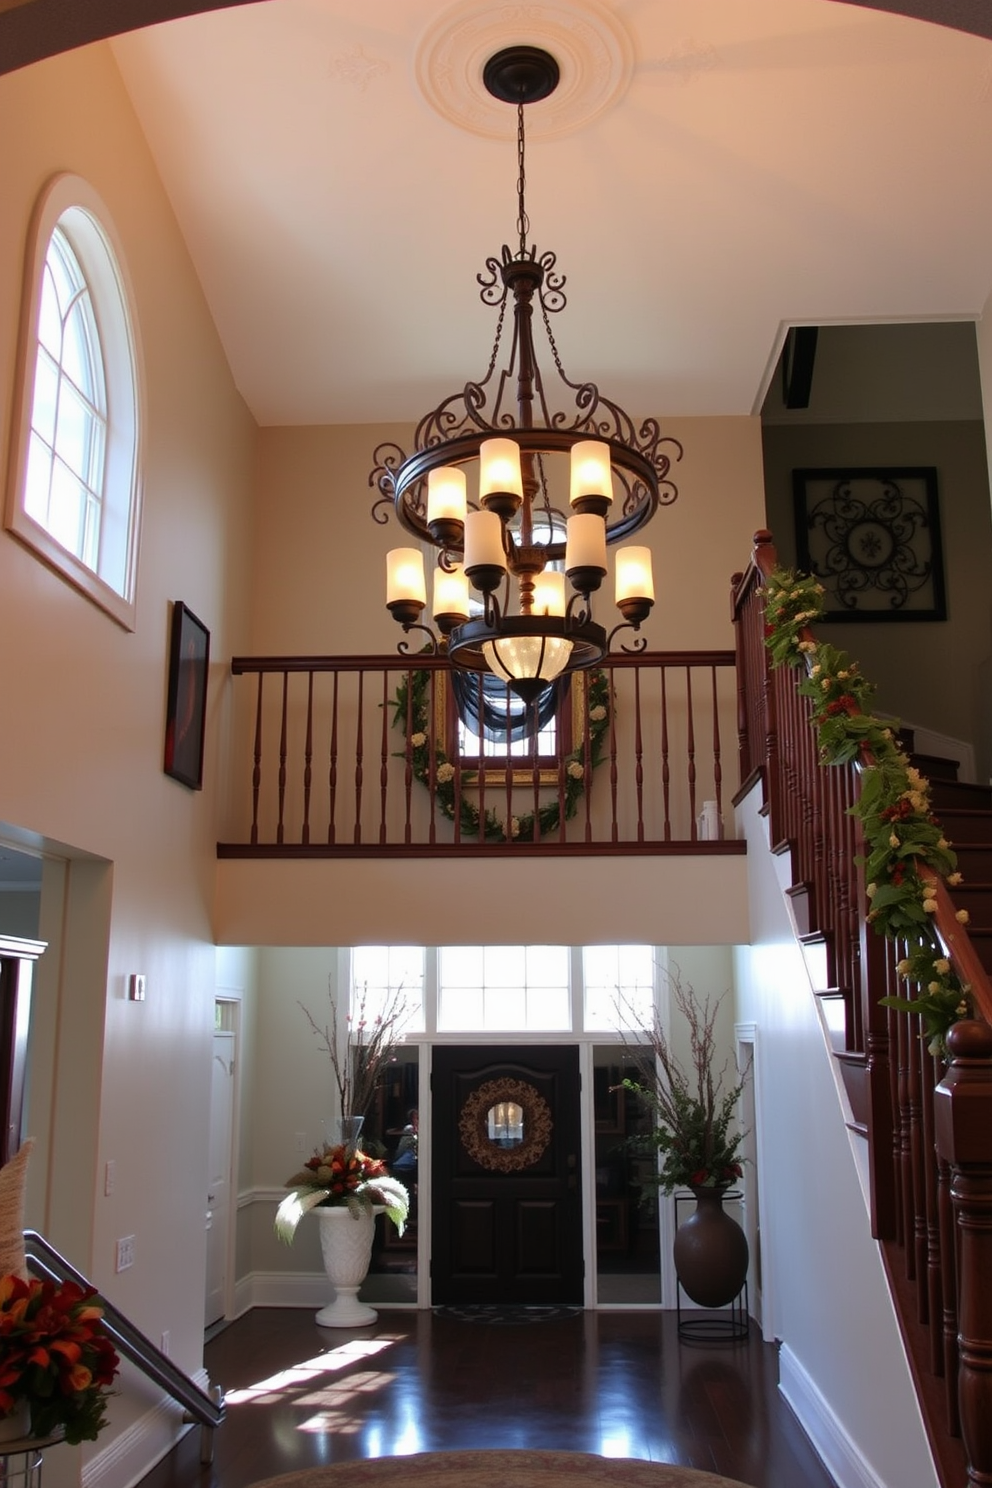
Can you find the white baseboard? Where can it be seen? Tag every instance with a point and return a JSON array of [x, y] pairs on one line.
[[826, 1432], [284, 1289], [132, 1454]]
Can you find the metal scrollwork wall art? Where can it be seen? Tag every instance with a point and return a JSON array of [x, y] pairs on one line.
[[536, 1123], [872, 538]]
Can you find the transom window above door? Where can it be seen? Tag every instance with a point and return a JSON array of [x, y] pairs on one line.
[[506, 989]]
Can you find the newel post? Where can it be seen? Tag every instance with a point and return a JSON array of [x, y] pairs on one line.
[[963, 1131]]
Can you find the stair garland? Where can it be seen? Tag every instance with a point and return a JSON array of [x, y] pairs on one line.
[[415, 707], [894, 805]]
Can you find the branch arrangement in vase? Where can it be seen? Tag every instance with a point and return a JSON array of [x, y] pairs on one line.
[[694, 1130], [370, 1043]]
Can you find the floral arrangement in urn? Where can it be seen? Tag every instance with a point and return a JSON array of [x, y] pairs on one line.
[[55, 1357], [694, 1130], [339, 1176]]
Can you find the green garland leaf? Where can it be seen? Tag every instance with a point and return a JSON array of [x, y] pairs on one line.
[[893, 807], [432, 767]]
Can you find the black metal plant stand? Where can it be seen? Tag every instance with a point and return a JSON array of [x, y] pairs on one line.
[[730, 1324]]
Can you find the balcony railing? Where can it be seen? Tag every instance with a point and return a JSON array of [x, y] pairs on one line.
[[358, 755]]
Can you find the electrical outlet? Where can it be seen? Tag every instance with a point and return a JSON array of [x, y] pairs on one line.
[[109, 1177], [125, 1253], [301, 1142]]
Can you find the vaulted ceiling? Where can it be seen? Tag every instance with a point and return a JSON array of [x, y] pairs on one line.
[[708, 173]]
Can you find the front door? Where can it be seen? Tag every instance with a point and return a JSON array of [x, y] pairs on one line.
[[507, 1199]]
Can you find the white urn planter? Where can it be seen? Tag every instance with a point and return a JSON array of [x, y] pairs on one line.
[[346, 1246], [16, 1426]]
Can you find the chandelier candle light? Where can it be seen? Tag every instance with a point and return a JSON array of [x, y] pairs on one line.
[[617, 477]]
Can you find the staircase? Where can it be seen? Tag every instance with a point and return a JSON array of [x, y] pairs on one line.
[[927, 1123]]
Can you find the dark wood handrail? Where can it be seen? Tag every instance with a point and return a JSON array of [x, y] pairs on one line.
[[393, 661]]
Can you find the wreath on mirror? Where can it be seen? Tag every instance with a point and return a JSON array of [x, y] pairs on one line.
[[431, 765], [473, 1126]]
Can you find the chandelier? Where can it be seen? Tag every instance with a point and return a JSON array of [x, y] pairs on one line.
[[527, 448]]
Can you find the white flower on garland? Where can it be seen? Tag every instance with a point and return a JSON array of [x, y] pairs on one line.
[[445, 773], [418, 740], [575, 770], [597, 714]]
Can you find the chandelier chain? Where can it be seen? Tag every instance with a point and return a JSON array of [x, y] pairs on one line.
[[523, 222]]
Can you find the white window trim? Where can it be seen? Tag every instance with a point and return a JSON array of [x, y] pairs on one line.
[[119, 338]]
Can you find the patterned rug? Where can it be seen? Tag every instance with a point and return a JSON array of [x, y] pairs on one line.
[[500, 1469], [508, 1315]]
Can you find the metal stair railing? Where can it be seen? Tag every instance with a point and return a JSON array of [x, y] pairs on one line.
[[45, 1262]]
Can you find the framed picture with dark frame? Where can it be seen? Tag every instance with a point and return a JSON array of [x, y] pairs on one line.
[[186, 705], [871, 535]]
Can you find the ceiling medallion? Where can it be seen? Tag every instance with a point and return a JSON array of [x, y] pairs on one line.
[[593, 52], [533, 447]]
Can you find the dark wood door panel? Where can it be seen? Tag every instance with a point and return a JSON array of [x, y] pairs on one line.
[[507, 1220]]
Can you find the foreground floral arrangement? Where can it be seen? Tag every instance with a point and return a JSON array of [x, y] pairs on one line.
[[55, 1355], [894, 805], [339, 1176], [692, 1111], [411, 708]]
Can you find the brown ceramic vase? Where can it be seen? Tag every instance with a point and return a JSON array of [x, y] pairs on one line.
[[710, 1251]]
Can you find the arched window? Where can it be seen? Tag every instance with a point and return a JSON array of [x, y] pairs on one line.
[[73, 496]]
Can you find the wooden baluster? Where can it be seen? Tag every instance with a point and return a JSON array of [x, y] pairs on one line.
[[717, 765], [432, 779], [638, 755], [308, 763], [690, 745], [332, 772], [508, 829], [666, 772], [614, 827], [963, 1127], [949, 1288], [878, 979], [931, 1222], [408, 758], [916, 1238], [384, 759], [564, 702], [359, 756], [256, 774], [457, 787], [907, 1043], [535, 772], [482, 765], [587, 755], [280, 827]]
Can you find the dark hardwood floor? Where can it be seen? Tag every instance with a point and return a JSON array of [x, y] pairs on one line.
[[618, 1384]]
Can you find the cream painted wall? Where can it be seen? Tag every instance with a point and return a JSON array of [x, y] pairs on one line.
[[318, 584], [824, 1288], [80, 762]]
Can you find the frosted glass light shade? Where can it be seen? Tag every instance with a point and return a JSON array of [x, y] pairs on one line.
[[450, 593], [549, 593], [499, 469], [405, 576], [634, 579], [514, 658], [590, 471], [585, 544], [483, 541], [446, 494]]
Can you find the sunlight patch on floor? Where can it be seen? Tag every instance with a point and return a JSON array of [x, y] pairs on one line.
[[266, 1391]]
